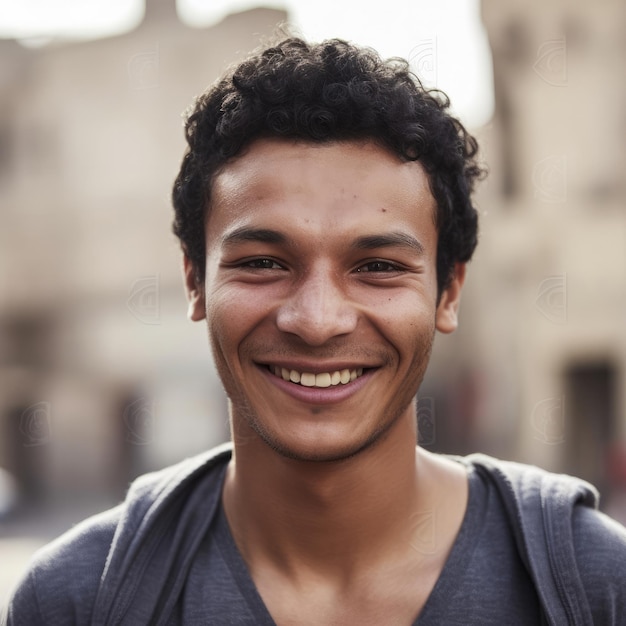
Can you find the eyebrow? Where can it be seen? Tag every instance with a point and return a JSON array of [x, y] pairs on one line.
[[398, 239], [246, 233], [366, 242]]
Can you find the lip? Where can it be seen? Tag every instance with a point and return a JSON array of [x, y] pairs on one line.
[[317, 367], [317, 395]]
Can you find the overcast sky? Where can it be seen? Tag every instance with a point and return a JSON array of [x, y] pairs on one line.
[[444, 39]]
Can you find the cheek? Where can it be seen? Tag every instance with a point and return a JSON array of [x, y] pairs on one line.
[[232, 314], [224, 329], [406, 320], [417, 341], [223, 319]]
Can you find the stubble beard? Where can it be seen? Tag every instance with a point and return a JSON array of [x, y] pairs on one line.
[[242, 412]]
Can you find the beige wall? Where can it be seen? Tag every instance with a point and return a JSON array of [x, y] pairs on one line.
[[550, 274], [102, 375], [91, 305]]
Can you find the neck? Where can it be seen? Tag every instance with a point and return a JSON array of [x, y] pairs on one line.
[[329, 517]]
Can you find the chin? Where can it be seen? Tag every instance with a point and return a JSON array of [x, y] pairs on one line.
[[318, 451]]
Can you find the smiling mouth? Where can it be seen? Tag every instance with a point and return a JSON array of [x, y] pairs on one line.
[[323, 379]]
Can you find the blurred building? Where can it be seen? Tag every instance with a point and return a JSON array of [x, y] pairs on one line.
[[543, 343], [101, 374]]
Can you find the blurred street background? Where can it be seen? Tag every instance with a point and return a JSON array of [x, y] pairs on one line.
[[102, 377]]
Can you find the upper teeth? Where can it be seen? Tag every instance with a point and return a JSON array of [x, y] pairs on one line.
[[325, 379]]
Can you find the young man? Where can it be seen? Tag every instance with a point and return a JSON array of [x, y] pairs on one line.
[[325, 217]]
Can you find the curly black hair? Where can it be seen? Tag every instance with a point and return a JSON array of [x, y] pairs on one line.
[[329, 91]]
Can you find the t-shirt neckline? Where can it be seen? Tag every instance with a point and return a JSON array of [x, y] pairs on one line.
[[434, 607]]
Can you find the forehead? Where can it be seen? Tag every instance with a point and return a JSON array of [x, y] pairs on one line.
[[324, 186]]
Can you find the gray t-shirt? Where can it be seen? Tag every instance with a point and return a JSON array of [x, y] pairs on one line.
[[484, 581]]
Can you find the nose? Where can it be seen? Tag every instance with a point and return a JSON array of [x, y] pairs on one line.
[[317, 309]]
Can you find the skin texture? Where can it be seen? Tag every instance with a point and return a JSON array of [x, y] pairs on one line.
[[322, 257]]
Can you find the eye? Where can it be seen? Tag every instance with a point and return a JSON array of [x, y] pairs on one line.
[[262, 264], [378, 267]]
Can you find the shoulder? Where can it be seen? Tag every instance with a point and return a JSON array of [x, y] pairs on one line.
[[558, 526], [599, 537], [600, 549], [63, 578], [528, 484]]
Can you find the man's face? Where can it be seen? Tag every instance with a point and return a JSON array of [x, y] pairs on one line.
[[321, 293]]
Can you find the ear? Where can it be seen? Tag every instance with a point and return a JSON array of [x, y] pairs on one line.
[[195, 292], [446, 318]]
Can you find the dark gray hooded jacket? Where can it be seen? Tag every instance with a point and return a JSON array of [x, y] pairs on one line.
[[133, 564]]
